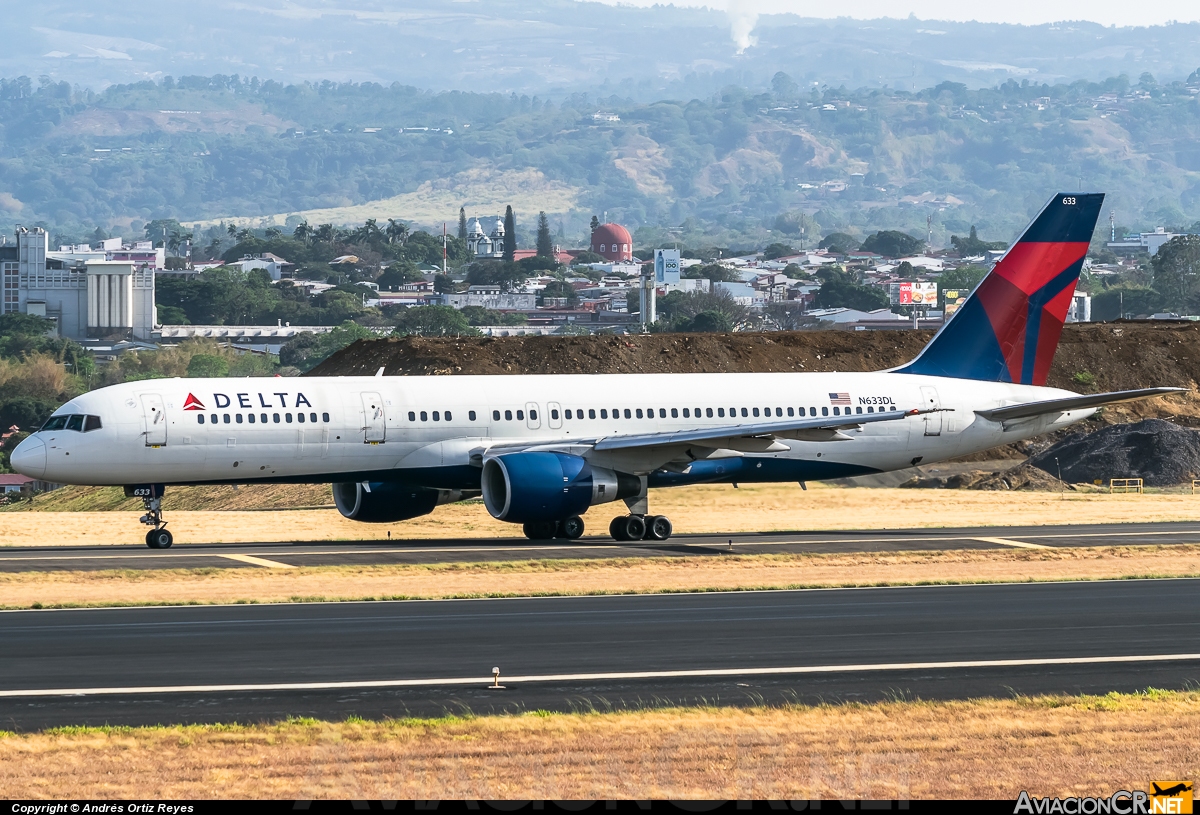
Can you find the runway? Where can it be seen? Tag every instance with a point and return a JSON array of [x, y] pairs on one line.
[[364, 553], [247, 663]]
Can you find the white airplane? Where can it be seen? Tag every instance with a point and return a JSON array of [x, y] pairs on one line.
[[543, 449]]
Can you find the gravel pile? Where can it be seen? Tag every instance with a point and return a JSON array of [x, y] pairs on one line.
[[1159, 452]]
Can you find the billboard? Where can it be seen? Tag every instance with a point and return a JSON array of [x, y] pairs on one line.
[[954, 300], [914, 294], [666, 266]]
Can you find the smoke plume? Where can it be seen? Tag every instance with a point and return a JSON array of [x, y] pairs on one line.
[[743, 17]]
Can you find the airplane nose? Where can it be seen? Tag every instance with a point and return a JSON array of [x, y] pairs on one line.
[[29, 458]]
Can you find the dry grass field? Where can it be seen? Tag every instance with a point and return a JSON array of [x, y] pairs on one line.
[[898, 750], [608, 576], [708, 509]]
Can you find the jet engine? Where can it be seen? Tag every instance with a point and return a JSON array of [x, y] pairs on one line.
[[545, 486], [381, 502]]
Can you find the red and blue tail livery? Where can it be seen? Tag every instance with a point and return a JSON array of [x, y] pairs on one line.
[[1008, 329]]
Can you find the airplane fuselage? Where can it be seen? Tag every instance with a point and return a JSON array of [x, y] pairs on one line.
[[432, 431]]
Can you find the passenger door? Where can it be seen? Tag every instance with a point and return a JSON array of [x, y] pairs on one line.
[[155, 419], [554, 417], [933, 421], [532, 417], [374, 419]]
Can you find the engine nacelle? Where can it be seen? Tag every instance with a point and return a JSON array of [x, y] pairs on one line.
[[381, 502], [544, 486]]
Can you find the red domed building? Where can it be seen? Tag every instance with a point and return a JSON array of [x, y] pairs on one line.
[[613, 243]]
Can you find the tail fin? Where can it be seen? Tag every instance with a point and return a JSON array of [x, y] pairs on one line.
[[1008, 329]]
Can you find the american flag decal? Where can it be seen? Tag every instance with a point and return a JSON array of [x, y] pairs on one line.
[[839, 398]]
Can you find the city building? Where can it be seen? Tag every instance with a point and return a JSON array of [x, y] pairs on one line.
[[274, 265], [1148, 242], [88, 296], [613, 243], [488, 297], [481, 242]]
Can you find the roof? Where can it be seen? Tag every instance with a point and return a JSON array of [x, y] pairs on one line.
[[611, 233], [14, 479]]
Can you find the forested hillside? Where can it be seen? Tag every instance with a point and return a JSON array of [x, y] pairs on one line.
[[723, 169]]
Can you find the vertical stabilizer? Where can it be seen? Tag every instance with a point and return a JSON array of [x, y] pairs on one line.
[[1008, 329]]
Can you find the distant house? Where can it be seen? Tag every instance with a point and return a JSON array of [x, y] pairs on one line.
[[274, 265]]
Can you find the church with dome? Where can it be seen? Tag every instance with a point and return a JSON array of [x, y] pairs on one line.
[[485, 237], [613, 243]]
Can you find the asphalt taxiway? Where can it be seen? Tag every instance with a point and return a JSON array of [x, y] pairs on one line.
[[375, 552], [246, 663]]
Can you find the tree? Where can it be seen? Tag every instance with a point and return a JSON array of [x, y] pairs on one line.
[[545, 243], [443, 284], [303, 232], [462, 223], [964, 278], [399, 273], [396, 231], [892, 244], [588, 256], [1177, 273], [972, 245], [680, 310], [595, 223], [561, 288], [783, 86], [777, 250], [714, 272], [510, 234], [840, 290], [839, 243], [305, 351], [207, 366], [433, 321]]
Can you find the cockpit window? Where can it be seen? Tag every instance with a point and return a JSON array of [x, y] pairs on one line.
[[73, 421]]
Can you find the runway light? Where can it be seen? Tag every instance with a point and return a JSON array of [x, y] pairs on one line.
[[495, 680]]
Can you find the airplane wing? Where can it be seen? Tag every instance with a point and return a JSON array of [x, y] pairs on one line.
[[1030, 409], [749, 437]]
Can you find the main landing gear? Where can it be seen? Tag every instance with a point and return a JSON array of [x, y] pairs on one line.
[[640, 527], [569, 528], [158, 537]]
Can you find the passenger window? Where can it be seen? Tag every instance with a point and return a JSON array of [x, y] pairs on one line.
[[629, 415], [424, 416], [495, 415], [603, 413], [471, 415], [662, 413], [755, 411], [227, 418], [686, 415], [91, 423], [674, 413], [521, 415], [287, 417], [791, 411], [250, 418], [238, 418], [447, 415], [199, 418], [412, 415], [553, 414], [870, 409], [324, 417], [708, 412], [591, 413], [812, 411], [745, 412], [858, 410], [508, 415], [824, 411], [312, 417], [567, 411], [721, 412], [637, 413], [437, 417], [275, 417], [778, 411], [837, 411], [299, 418]]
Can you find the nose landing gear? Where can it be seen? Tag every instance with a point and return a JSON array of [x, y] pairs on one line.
[[152, 494]]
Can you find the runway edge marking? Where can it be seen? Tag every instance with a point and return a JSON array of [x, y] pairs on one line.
[[1018, 544], [258, 561], [597, 677]]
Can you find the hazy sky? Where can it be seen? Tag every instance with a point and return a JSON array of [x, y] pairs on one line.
[[1030, 12]]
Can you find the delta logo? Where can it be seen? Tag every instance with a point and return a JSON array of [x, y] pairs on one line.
[[192, 403]]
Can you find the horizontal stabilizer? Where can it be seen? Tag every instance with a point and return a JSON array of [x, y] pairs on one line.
[[1030, 409]]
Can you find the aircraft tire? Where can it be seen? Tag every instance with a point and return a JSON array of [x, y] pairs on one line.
[[159, 539], [658, 528], [616, 528], [635, 527], [571, 528], [540, 530]]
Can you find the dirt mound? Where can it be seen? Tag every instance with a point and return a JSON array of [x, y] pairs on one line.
[[1159, 452], [1021, 477], [1091, 358]]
